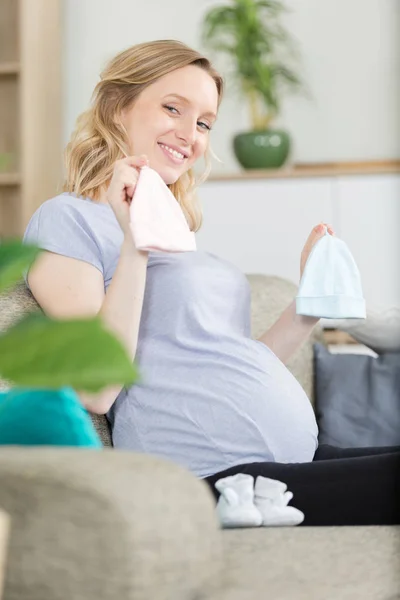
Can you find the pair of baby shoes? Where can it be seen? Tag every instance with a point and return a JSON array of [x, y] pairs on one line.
[[265, 503]]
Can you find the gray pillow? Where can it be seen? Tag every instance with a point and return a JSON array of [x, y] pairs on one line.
[[379, 331], [357, 398]]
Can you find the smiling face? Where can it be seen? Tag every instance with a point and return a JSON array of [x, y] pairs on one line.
[[171, 119]]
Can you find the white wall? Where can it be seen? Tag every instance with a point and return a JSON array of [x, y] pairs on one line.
[[352, 64], [262, 226], [351, 60]]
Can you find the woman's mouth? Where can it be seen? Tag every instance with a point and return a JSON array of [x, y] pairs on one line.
[[173, 155]]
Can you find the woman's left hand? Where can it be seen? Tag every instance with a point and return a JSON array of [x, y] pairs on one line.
[[316, 234]]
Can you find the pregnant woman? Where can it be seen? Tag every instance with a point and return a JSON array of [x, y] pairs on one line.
[[211, 398]]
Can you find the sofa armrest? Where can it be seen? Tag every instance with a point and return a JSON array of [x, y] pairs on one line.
[[99, 524]]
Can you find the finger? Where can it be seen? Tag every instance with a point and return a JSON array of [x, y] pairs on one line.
[[129, 191], [329, 228], [130, 187], [130, 184], [136, 161], [315, 234], [129, 174]]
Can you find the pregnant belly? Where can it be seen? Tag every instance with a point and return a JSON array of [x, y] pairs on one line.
[[241, 402]]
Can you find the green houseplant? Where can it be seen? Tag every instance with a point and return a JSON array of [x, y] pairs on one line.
[[40, 352], [261, 54]]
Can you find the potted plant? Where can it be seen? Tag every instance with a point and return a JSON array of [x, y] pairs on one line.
[[41, 352], [261, 54]]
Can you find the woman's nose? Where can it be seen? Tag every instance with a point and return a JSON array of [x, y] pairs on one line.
[[187, 131]]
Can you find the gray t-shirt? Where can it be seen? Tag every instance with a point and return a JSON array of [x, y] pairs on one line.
[[210, 397]]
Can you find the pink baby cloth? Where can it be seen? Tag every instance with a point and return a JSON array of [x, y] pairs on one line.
[[157, 221]]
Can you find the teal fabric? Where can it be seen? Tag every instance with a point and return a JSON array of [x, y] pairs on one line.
[[42, 417]]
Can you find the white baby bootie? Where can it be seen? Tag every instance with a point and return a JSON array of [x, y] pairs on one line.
[[235, 506], [271, 498]]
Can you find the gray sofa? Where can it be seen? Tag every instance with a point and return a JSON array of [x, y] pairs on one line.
[[106, 524]]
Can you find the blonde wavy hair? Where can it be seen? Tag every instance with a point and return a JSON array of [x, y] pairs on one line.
[[99, 139]]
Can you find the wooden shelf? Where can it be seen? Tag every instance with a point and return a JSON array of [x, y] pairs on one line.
[[30, 108], [10, 68], [336, 336], [10, 178], [313, 170]]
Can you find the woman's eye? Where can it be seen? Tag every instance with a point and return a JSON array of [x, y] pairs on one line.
[[203, 125], [175, 111], [171, 108]]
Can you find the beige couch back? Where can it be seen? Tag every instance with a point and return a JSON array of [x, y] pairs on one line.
[[270, 296]]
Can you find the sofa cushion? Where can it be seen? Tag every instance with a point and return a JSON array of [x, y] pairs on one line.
[[45, 418], [309, 563], [102, 426], [357, 398], [14, 305], [380, 331]]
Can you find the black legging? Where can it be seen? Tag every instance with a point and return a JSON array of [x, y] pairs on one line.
[[355, 486]]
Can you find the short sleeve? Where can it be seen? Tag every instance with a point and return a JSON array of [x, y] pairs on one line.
[[60, 227]]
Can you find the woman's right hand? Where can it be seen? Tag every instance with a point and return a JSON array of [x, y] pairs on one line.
[[122, 187]]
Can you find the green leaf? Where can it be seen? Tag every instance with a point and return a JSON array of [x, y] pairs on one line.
[[257, 45], [218, 21], [15, 258], [273, 6], [286, 74], [80, 353]]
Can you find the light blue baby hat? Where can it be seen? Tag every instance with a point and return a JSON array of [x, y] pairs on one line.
[[330, 287]]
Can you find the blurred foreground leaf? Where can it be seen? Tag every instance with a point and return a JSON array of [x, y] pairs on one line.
[[81, 353], [15, 258]]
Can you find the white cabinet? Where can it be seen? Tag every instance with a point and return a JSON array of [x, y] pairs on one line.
[[262, 225], [369, 209]]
